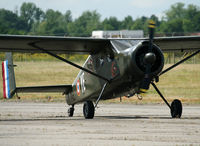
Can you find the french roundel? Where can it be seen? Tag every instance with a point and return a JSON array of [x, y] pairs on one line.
[[78, 90]]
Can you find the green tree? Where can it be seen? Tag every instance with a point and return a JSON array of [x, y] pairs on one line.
[[10, 23], [175, 12], [191, 19], [111, 23], [179, 19], [139, 23], [68, 16], [29, 13], [127, 23], [197, 22], [173, 27], [54, 23], [85, 24]]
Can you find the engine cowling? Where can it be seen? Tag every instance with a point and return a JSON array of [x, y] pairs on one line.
[[141, 58]]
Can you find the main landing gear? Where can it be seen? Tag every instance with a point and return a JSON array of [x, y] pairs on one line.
[[175, 107], [88, 110]]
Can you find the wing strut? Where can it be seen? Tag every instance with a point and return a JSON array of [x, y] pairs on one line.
[[181, 61], [69, 62], [100, 95]]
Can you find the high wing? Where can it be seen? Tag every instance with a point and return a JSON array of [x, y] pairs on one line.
[[80, 45], [65, 45], [183, 43]]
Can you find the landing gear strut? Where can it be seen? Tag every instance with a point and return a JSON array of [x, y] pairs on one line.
[[71, 111], [88, 110], [176, 106]]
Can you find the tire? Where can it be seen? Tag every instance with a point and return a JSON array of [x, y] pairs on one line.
[[176, 109], [71, 112], [88, 110]]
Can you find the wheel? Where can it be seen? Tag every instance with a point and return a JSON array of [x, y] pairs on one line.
[[176, 109], [71, 111], [88, 110]]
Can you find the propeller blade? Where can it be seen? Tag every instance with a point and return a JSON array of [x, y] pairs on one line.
[[149, 59], [152, 26]]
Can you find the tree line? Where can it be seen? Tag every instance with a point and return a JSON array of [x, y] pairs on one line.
[[32, 20]]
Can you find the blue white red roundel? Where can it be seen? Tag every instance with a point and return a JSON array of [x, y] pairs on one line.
[[78, 88]]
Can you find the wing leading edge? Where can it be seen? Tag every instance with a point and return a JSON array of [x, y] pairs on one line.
[[65, 45], [80, 45], [184, 43]]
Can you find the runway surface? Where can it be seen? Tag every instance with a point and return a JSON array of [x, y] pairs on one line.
[[113, 124]]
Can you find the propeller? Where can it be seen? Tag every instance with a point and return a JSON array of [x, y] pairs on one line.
[[149, 59]]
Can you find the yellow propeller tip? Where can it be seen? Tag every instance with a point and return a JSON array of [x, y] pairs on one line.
[[143, 90], [152, 24]]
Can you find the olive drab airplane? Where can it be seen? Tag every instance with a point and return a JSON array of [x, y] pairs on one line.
[[115, 67]]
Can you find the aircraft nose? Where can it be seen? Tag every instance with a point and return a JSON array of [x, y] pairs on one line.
[[149, 58]]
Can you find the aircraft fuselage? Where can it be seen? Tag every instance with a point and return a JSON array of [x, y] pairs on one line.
[[124, 67]]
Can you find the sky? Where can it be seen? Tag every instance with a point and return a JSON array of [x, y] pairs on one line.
[[107, 8]]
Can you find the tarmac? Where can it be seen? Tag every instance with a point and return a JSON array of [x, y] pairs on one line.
[[113, 124]]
